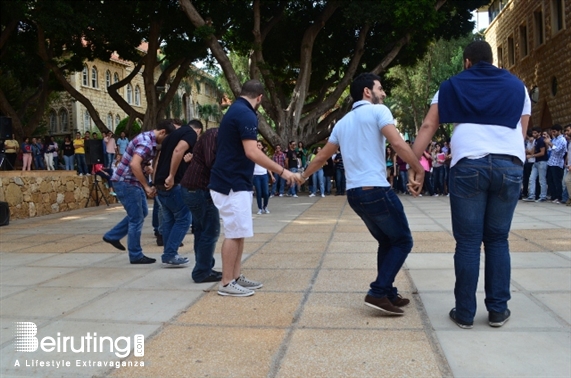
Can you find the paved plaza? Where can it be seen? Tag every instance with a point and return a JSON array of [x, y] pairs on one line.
[[316, 260]]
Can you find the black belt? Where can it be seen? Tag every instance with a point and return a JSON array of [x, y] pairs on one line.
[[513, 159]]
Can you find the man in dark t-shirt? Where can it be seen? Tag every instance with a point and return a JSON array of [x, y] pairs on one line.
[[291, 160], [231, 184], [539, 168], [170, 169]]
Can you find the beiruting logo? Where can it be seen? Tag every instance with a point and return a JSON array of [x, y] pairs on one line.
[[26, 341]]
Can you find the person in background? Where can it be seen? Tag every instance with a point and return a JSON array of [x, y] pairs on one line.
[[567, 178], [261, 184], [122, 143], [55, 153], [38, 153], [557, 148], [27, 151], [329, 173], [49, 149], [278, 183], [438, 173], [317, 178], [68, 153], [339, 173], [110, 148], [79, 150], [11, 148]]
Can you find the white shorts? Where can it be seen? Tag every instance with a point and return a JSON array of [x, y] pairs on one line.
[[236, 213]]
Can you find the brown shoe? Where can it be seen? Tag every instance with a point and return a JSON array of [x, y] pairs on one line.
[[383, 304], [399, 301]]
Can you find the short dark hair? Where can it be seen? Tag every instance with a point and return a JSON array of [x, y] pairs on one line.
[[556, 127], [196, 124], [364, 80], [478, 51], [252, 89], [166, 125], [536, 129]]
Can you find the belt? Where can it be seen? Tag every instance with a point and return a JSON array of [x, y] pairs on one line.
[[161, 187], [513, 159]]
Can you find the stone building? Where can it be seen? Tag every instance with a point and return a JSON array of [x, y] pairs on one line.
[[66, 115], [532, 39]]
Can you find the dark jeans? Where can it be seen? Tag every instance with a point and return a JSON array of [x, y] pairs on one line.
[[427, 185], [555, 182], [176, 220], [483, 195], [206, 225], [383, 214], [278, 185], [403, 180], [262, 190], [438, 174], [39, 161], [339, 181], [526, 173], [81, 164]]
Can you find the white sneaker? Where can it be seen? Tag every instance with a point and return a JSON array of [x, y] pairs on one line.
[[312, 195], [248, 284], [281, 195], [323, 196], [260, 212], [81, 174], [266, 210], [234, 290], [294, 196]]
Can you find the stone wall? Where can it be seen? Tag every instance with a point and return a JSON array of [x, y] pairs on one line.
[[37, 193]]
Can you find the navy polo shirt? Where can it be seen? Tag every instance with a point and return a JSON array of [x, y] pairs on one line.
[[232, 169]]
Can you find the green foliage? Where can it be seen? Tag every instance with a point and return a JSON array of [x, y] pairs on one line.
[[207, 111], [135, 128]]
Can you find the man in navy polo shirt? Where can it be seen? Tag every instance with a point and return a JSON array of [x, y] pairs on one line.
[[231, 184]]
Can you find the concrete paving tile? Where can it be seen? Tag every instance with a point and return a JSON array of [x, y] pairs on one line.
[[168, 279], [543, 279], [46, 301], [19, 259], [538, 260], [351, 228], [364, 236], [526, 314], [8, 332], [9, 290], [95, 277], [534, 235], [566, 254], [427, 280], [345, 280], [526, 246], [130, 305], [427, 227], [306, 237], [52, 247], [555, 244], [299, 229], [26, 275], [72, 259], [348, 310], [560, 303], [260, 310], [17, 246], [433, 246], [77, 330], [285, 261], [349, 247], [301, 247], [350, 260], [430, 261], [359, 353], [208, 352], [281, 280], [441, 236], [510, 354]]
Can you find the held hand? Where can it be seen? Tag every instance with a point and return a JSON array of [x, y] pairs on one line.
[[415, 181], [187, 157], [291, 177], [151, 191], [169, 182]]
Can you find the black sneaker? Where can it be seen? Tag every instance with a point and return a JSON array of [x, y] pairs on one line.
[[383, 304], [115, 243], [498, 319], [399, 301], [458, 322], [160, 242], [144, 260], [213, 277]]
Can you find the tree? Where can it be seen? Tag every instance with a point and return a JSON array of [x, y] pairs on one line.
[[307, 52], [207, 111]]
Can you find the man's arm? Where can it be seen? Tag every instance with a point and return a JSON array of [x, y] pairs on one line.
[[416, 172], [177, 156], [427, 130], [320, 159], [136, 166], [524, 124], [258, 157]]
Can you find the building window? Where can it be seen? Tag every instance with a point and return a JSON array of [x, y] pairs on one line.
[[94, 77], [110, 121], [53, 122], [500, 56], [117, 120], [107, 79], [538, 27], [523, 40], [84, 76], [137, 96], [557, 16], [511, 51], [63, 123], [86, 121], [115, 78], [129, 94]]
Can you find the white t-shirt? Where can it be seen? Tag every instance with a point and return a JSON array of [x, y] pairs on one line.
[[474, 141], [259, 170], [362, 144]]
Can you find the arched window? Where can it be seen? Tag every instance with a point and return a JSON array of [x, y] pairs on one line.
[[63, 123], [115, 78], [108, 78], [86, 121], [53, 122], [137, 96], [129, 94], [117, 120], [110, 121], [94, 77], [84, 76]]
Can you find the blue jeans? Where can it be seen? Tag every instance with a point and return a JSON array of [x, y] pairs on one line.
[[82, 165], [176, 220], [206, 224], [483, 195], [403, 176], [39, 161], [555, 182], [110, 158], [68, 162], [293, 187], [327, 184], [278, 185], [438, 174], [339, 181], [383, 214], [539, 169], [134, 200], [318, 177], [262, 190], [157, 217]]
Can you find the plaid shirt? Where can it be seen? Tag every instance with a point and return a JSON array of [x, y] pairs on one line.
[[557, 152], [279, 157], [144, 145]]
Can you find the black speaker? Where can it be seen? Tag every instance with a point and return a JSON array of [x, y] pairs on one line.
[[94, 152], [6, 128], [4, 214]]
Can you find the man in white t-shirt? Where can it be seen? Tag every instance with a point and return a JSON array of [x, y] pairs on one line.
[[362, 135], [490, 110]]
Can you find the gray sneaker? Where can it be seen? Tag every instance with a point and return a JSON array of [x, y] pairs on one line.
[[248, 284], [529, 199], [234, 290], [177, 261], [541, 200]]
